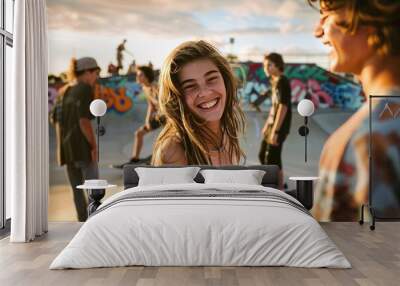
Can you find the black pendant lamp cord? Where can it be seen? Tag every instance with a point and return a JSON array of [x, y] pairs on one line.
[[98, 138]]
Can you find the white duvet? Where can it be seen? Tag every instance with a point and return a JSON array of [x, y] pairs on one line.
[[183, 231]]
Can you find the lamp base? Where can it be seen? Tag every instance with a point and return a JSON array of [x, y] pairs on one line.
[[303, 130], [101, 130]]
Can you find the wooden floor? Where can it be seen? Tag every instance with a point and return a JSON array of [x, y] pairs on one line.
[[374, 255]]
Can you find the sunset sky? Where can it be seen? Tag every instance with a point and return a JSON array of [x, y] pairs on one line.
[[154, 27]]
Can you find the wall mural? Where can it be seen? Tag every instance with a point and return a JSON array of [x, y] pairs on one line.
[[324, 88], [119, 92]]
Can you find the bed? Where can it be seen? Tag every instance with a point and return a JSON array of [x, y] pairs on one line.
[[201, 224]]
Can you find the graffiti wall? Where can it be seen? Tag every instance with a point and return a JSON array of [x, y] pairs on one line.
[[120, 93], [325, 89]]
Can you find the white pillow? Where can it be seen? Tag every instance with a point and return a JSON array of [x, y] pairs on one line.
[[164, 176], [248, 177]]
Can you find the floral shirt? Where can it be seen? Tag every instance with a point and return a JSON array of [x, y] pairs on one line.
[[344, 167]]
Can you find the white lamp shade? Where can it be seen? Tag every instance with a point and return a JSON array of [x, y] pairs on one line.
[[98, 107], [305, 107]]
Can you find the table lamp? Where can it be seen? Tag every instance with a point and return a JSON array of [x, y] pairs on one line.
[[305, 108], [98, 108]]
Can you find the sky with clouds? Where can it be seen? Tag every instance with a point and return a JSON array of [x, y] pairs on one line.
[[154, 27]]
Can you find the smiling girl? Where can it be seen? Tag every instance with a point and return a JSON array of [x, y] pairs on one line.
[[364, 39], [198, 96]]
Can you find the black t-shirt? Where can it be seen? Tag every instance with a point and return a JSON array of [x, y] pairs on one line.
[[283, 95], [75, 105]]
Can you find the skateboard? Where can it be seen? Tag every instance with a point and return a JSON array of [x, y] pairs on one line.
[[143, 161]]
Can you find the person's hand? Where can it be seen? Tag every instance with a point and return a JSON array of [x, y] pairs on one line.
[[273, 139], [93, 153], [147, 126], [264, 131]]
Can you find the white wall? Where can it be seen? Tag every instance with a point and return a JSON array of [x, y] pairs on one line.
[[7, 94]]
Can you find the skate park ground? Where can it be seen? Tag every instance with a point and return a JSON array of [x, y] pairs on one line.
[[116, 145]]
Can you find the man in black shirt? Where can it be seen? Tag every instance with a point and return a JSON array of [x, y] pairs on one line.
[[77, 148], [277, 126]]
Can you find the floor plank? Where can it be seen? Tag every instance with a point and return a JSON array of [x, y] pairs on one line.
[[374, 255]]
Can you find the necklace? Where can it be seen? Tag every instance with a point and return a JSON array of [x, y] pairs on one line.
[[217, 149], [216, 154]]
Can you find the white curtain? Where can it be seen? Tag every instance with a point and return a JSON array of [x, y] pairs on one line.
[[27, 147]]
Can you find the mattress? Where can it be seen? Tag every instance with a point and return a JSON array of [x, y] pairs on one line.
[[201, 225]]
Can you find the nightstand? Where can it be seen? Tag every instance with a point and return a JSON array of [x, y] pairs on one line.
[[96, 190], [304, 190]]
